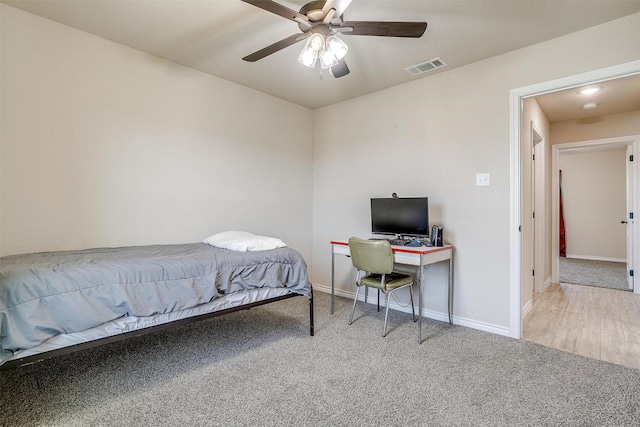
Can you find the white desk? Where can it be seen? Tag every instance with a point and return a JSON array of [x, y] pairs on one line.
[[419, 257]]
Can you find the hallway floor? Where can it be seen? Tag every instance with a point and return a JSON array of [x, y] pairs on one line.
[[595, 322]]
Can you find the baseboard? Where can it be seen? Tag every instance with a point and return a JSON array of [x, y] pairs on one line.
[[596, 258], [430, 314], [482, 326], [545, 285]]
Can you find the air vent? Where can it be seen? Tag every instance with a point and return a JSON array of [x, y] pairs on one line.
[[432, 64]]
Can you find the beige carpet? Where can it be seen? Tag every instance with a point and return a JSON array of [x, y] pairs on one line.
[[261, 368], [604, 274]]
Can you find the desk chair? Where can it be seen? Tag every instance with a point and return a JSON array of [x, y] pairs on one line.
[[373, 260]]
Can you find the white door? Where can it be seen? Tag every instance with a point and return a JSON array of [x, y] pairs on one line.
[[629, 220]]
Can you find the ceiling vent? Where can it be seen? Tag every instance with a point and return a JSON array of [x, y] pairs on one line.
[[432, 64]]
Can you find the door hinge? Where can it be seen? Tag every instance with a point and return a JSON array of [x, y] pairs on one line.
[[631, 158], [630, 215], [533, 272], [534, 215], [631, 273], [534, 157]]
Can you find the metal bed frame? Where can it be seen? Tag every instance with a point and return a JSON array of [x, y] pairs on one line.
[[35, 358]]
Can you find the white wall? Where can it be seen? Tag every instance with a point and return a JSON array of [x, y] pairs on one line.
[[532, 115], [103, 145], [430, 137], [610, 126], [594, 203]]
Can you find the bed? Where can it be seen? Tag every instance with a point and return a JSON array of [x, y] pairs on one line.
[[53, 303]]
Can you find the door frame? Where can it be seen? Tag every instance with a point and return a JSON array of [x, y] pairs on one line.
[[538, 205], [516, 97], [633, 203]]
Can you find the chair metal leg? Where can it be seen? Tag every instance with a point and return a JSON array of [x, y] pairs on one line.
[[386, 314], [355, 300], [413, 310], [378, 299]]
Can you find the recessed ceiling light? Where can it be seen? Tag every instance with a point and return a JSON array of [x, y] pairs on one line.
[[589, 90], [589, 106]]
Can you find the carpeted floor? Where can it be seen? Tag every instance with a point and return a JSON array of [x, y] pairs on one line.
[[604, 274], [260, 368]]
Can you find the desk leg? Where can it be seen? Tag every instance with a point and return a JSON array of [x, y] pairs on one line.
[[333, 274], [419, 280], [450, 302]]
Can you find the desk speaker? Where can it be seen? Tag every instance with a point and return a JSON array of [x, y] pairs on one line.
[[436, 235]]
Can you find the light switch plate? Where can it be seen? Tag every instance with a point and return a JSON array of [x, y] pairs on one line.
[[483, 179]]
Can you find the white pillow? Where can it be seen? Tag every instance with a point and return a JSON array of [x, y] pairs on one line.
[[242, 241]]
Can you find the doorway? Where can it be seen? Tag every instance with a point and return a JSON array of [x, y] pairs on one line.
[[603, 231], [516, 210]]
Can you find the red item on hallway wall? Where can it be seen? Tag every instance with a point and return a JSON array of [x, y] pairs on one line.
[[563, 242]]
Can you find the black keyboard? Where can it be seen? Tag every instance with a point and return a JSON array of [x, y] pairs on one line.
[[402, 242]]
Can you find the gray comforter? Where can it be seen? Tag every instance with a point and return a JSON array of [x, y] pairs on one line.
[[51, 293]]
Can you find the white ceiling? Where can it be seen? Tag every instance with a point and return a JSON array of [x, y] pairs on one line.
[[213, 36], [615, 96]]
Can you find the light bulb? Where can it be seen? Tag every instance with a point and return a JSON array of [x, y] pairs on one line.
[[337, 46], [328, 59], [589, 90], [307, 58], [316, 42]]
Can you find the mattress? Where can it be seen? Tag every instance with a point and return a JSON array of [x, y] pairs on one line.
[[53, 294]]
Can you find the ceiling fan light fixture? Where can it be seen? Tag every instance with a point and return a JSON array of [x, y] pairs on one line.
[[330, 51], [312, 50]]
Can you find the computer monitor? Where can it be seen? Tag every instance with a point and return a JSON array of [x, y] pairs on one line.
[[407, 216]]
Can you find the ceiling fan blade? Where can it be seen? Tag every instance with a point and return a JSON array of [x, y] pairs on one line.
[[338, 5], [279, 45], [278, 9], [340, 69], [385, 29]]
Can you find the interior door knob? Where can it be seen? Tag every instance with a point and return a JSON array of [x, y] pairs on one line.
[[623, 222]]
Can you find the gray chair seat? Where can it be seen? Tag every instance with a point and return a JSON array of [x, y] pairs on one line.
[[390, 281]]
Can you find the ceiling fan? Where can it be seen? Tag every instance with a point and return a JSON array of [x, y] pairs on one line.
[[321, 21]]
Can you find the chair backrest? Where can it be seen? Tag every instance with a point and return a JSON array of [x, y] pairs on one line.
[[372, 256]]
